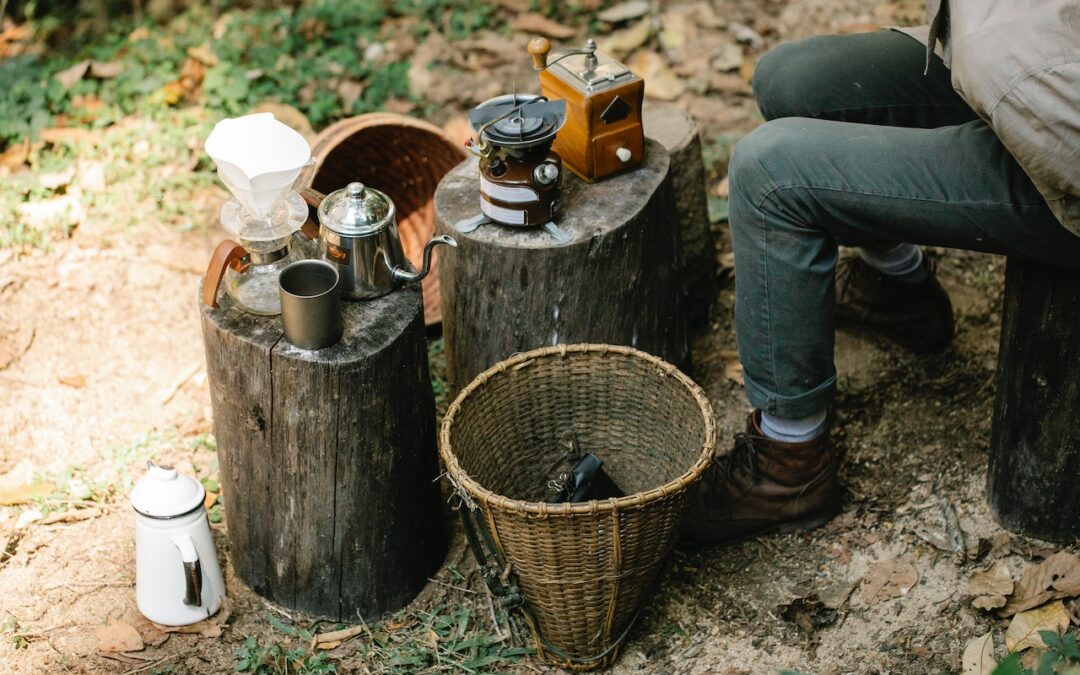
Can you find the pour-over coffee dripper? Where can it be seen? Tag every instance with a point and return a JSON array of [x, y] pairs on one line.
[[263, 163]]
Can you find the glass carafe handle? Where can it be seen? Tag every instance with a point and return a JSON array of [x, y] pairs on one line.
[[227, 254], [312, 198]]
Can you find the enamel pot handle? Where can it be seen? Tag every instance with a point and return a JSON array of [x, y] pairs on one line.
[[192, 570], [227, 254]]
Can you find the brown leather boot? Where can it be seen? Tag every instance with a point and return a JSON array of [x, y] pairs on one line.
[[762, 486], [916, 316]]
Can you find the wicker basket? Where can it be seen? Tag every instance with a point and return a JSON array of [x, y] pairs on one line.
[[405, 158], [583, 569]]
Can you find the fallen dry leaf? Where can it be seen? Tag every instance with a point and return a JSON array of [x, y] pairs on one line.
[[988, 588], [117, 636], [808, 613], [74, 381], [732, 367], [661, 82], [624, 11], [677, 30], [24, 494], [836, 595], [1056, 577], [722, 188], [746, 35], [151, 635], [349, 91], [862, 27], [1023, 632], [534, 22], [729, 56], [69, 77], [621, 43], [92, 176], [73, 516], [979, 656], [105, 70], [888, 579], [208, 628], [57, 179]]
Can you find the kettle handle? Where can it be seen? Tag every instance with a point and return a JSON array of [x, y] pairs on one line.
[[227, 254], [193, 579]]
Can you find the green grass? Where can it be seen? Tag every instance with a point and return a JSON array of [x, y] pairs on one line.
[[449, 638]]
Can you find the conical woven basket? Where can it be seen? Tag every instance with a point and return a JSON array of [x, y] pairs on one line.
[[582, 569], [405, 158]]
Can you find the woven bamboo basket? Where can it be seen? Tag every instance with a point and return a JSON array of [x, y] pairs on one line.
[[405, 158], [582, 569]]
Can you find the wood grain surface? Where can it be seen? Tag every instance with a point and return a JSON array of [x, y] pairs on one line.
[[328, 458], [617, 281], [1035, 442]]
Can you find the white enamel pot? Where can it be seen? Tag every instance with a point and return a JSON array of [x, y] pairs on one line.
[[177, 577]]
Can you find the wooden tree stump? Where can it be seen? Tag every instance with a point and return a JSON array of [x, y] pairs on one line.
[[328, 458], [506, 290], [1035, 443], [673, 127]]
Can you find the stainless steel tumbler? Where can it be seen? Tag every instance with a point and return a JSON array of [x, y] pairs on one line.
[[311, 304]]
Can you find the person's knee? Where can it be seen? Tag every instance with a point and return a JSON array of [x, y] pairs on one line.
[[759, 157], [769, 81], [784, 79]]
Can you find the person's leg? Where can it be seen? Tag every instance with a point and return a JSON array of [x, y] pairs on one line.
[[799, 188], [872, 78], [869, 78]]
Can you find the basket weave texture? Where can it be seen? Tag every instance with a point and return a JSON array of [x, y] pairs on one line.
[[403, 157], [584, 569]]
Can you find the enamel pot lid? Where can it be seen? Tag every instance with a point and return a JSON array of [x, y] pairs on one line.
[[163, 493]]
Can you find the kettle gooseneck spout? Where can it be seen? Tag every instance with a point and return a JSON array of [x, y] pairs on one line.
[[401, 275]]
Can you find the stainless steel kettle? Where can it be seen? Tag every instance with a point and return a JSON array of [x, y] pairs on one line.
[[358, 233]]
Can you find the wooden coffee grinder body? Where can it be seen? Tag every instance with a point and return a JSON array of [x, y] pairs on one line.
[[603, 134]]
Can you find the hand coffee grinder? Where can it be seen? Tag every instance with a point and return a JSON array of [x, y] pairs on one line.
[[603, 135], [263, 162], [520, 176]]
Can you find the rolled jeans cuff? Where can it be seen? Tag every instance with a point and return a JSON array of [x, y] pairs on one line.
[[792, 407]]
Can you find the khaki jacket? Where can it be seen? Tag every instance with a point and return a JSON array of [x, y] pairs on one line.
[[1017, 64]]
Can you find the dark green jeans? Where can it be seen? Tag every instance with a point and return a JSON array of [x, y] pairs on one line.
[[861, 149]]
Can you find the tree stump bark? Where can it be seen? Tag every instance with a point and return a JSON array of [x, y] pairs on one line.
[[328, 458], [1035, 441], [673, 127], [507, 290]]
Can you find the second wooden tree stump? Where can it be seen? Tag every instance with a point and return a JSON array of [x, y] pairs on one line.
[[672, 126], [506, 290]]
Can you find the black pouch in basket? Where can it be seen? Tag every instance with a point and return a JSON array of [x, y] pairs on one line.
[[586, 482]]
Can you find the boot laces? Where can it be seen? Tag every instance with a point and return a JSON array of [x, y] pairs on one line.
[[737, 469]]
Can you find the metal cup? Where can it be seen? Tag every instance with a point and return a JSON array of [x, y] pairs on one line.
[[311, 304]]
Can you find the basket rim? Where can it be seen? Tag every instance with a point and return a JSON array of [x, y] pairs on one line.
[[463, 481], [329, 138]]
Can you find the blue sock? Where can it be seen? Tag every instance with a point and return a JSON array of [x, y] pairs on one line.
[[790, 430], [903, 262]]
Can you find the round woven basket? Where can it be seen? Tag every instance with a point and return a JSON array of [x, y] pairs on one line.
[[583, 569], [405, 158]]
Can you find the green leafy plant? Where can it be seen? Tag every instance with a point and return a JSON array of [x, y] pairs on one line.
[[11, 627], [1061, 658], [270, 659]]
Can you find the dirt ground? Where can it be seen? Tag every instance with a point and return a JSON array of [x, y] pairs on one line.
[[101, 367]]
